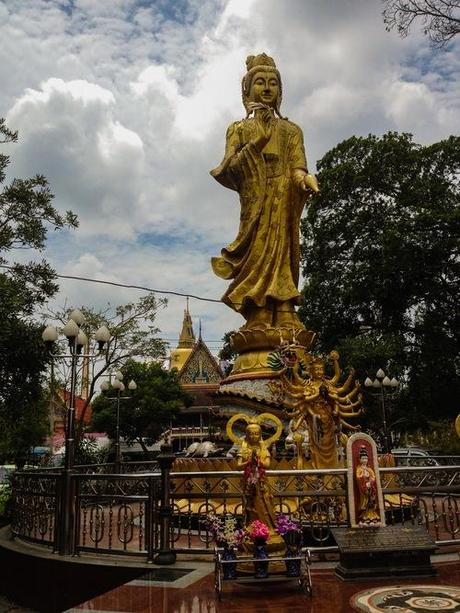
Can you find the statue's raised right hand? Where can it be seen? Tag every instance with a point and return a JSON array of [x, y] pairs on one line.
[[263, 122]]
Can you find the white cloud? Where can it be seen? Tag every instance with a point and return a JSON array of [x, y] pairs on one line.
[[92, 161], [415, 108]]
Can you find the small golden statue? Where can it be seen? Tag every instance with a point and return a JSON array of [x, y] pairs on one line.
[[265, 163], [367, 508], [254, 458]]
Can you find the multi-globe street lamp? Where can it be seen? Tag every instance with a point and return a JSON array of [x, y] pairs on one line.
[[386, 386], [77, 340], [119, 387]]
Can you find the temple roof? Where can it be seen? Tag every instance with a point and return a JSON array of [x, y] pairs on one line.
[[201, 366], [192, 358]]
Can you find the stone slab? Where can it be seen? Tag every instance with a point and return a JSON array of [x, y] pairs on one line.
[[388, 538], [390, 551]]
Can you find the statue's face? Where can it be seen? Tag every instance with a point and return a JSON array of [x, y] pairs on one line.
[[364, 460], [253, 434], [317, 371], [265, 88]]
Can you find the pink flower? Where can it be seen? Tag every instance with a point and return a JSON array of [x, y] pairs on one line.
[[258, 530]]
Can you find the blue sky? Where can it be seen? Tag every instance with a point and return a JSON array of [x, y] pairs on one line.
[[124, 104]]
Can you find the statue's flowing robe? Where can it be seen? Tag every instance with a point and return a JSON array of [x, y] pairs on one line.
[[263, 260], [367, 487]]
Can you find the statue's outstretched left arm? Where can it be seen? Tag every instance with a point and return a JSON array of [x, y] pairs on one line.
[[334, 355]]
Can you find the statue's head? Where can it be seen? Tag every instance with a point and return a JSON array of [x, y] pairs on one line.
[[363, 456], [317, 369], [253, 433], [262, 83]]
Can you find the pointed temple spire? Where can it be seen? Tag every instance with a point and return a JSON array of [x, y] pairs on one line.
[[187, 336], [186, 342]]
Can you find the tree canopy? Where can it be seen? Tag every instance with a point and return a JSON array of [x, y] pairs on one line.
[[439, 19], [132, 334], [26, 214], [381, 260], [150, 410], [227, 354]]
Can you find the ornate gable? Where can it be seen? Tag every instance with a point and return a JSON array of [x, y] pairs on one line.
[[201, 367]]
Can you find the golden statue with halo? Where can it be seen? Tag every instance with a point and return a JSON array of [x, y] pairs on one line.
[[254, 458]]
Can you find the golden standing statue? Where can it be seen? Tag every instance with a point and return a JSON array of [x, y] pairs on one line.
[[254, 458], [368, 506], [265, 163]]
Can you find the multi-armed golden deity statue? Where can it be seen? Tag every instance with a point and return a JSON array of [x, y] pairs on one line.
[[265, 163]]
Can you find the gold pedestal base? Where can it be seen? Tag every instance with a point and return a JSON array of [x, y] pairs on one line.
[[255, 345]]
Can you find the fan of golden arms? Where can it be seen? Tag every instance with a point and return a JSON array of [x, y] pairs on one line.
[[265, 163]]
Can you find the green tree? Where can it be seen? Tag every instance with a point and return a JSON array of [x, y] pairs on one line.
[[26, 214], [133, 334], [440, 19], [381, 259], [228, 353], [150, 410], [23, 403]]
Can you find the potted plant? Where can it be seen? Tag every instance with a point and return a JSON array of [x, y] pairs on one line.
[[259, 534], [291, 532], [229, 537]]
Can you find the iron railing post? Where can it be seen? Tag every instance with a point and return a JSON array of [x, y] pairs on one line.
[[166, 554], [66, 542], [150, 519]]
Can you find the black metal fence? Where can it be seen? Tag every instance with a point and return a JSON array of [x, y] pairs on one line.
[[146, 513]]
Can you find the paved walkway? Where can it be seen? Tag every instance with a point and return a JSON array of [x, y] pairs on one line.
[[193, 592]]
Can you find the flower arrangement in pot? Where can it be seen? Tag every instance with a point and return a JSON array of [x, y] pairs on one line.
[[259, 534], [291, 532], [226, 534]]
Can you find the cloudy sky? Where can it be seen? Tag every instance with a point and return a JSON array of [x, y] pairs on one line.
[[124, 104]]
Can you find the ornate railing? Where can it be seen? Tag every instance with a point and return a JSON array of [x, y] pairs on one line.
[[117, 514], [35, 503], [316, 497], [428, 495], [128, 513]]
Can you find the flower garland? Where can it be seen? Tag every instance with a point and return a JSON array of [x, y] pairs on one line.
[[253, 471]]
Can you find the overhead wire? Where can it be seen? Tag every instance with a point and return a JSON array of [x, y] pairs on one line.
[[142, 288]]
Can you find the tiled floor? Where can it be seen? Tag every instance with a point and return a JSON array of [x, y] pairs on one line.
[[192, 594]]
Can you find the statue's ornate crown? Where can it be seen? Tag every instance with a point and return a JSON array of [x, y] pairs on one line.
[[259, 60]]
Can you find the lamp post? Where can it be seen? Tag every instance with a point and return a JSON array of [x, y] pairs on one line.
[[383, 384], [77, 339], [119, 386]]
